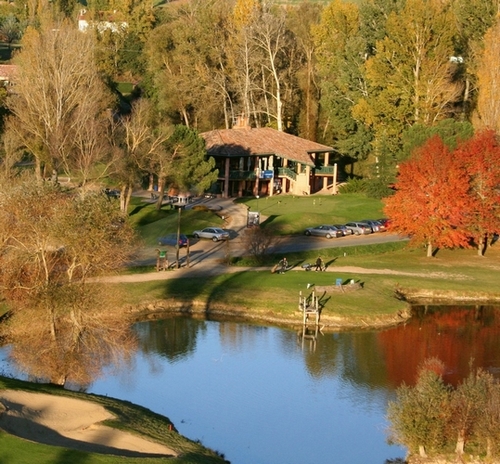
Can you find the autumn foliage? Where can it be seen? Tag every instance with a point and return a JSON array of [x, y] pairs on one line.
[[448, 199]]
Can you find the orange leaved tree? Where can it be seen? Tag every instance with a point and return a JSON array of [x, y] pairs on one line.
[[431, 198], [480, 155]]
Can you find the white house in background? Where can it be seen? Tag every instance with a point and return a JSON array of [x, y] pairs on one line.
[[104, 20]]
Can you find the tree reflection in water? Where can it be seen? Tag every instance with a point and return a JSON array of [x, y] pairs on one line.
[[81, 349]]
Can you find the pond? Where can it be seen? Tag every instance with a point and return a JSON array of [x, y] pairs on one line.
[[269, 395]]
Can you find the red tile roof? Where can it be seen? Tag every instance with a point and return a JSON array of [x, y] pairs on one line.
[[261, 141]]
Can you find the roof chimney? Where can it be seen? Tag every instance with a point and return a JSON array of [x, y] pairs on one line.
[[242, 122]]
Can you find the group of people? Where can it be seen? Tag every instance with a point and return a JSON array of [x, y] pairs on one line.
[[319, 265]]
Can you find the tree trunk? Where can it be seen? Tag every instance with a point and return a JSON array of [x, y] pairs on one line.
[[421, 451], [429, 249], [161, 191], [481, 246], [459, 448]]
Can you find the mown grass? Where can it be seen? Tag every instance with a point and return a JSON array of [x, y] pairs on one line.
[[292, 215], [129, 417], [285, 215], [151, 223]]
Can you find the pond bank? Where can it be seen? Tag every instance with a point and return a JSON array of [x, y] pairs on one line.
[[379, 298]]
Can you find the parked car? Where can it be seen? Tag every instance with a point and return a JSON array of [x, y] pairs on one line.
[[359, 228], [376, 225], [112, 193], [213, 233], [324, 230], [345, 230], [384, 222], [171, 240]]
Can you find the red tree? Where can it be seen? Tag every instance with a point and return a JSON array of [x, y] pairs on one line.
[[481, 158], [431, 198]]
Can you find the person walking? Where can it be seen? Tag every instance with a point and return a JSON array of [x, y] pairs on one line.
[[283, 265], [319, 264]]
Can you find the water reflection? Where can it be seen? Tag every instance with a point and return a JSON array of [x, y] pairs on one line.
[[454, 334], [75, 353], [268, 395]]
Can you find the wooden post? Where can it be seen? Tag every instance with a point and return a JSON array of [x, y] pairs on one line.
[[178, 236], [334, 188]]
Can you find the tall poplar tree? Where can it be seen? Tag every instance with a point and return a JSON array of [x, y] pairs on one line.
[[410, 77], [341, 55], [488, 81]]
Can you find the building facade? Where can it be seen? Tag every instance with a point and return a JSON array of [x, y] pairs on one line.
[[264, 161]]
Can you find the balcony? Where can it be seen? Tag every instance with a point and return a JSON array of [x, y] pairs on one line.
[[242, 175], [286, 172], [324, 170]]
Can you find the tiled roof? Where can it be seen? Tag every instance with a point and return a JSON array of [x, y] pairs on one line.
[[261, 141], [7, 71]]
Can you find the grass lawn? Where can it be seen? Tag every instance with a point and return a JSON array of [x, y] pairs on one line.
[[292, 215], [284, 214]]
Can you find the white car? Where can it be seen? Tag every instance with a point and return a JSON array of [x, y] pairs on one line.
[[213, 233], [359, 228]]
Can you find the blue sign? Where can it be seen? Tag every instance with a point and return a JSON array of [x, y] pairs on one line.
[[267, 174]]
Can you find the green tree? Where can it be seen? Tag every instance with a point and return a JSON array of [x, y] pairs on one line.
[[341, 55], [189, 167], [180, 62], [450, 131], [410, 77], [487, 426], [10, 29], [468, 403], [419, 416]]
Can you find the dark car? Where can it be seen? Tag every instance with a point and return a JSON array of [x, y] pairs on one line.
[[324, 230], [112, 193], [171, 240], [345, 230]]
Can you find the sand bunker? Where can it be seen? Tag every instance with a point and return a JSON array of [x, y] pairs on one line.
[[71, 423]]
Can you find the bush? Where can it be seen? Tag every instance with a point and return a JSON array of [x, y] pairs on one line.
[[257, 242], [354, 186], [378, 188]]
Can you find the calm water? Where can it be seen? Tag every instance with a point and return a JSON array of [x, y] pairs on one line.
[[264, 395]]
